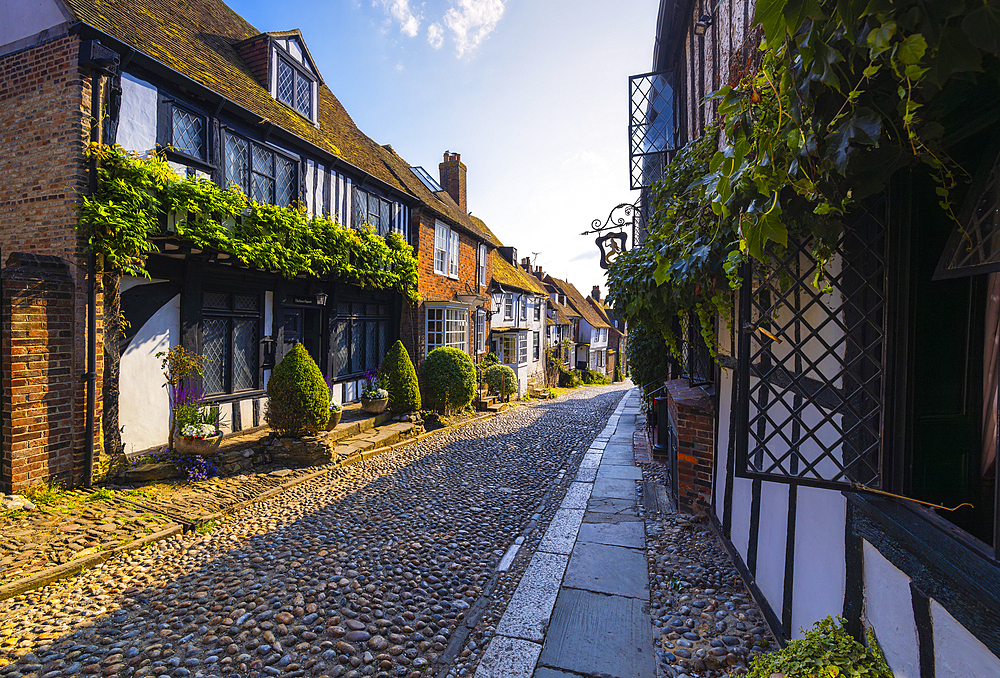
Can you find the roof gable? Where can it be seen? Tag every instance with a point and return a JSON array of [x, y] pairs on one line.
[[576, 301], [505, 273]]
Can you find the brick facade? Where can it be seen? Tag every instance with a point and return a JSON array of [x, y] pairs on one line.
[[38, 388], [44, 127], [693, 418], [436, 287]]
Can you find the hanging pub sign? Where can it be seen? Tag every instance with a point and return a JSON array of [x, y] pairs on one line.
[[614, 243], [611, 245]]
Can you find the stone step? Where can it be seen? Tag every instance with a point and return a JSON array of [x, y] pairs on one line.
[[496, 407]]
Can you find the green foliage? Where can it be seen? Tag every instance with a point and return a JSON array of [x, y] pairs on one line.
[[648, 355], [593, 377], [826, 651], [501, 379], [846, 94], [298, 399], [103, 494], [568, 378], [448, 377], [135, 193], [400, 379]]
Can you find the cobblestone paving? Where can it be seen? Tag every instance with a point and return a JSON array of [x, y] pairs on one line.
[[371, 570]]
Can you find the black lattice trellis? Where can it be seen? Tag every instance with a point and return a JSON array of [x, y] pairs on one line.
[[812, 364]]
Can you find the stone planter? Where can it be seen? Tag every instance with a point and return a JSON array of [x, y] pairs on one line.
[[334, 420], [203, 447], [374, 406]]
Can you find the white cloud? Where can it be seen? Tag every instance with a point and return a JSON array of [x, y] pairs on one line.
[[472, 21], [435, 35], [399, 10]]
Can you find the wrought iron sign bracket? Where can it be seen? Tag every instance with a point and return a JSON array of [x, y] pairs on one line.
[[612, 237]]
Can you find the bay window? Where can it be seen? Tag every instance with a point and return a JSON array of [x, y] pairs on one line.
[[447, 326]]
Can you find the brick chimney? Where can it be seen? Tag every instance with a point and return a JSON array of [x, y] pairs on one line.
[[596, 293], [526, 264], [452, 172], [538, 272]]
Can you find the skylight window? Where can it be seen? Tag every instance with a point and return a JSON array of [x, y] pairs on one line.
[[426, 179]]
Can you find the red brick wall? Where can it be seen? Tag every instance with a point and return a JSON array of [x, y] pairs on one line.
[[37, 397], [256, 54], [693, 418], [436, 287], [44, 126]]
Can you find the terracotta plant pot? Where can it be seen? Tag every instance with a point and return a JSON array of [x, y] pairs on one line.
[[203, 447], [334, 420], [374, 406]]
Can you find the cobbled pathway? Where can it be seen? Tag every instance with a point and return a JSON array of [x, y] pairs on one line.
[[386, 568]]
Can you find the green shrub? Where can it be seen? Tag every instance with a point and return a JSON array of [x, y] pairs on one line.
[[648, 355], [298, 400], [501, 379], [448, 378], [400, 380], [568, 378], [589, 376], [827, 650]]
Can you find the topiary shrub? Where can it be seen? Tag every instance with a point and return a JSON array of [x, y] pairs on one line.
[[449, 379], [826, 650], [400, 379], [501, 379], [298, 399]]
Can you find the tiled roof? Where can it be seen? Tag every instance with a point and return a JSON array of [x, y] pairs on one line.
[[562, 317], [606, 312], [198, 39], [495, 241], [576, 301], [514, 276]]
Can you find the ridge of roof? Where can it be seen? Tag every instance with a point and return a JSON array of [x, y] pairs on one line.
[[494, 240], [506, 273], [576, 300], [199, 38]]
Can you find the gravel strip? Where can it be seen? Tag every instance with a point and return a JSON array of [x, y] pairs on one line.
[[369, 570]]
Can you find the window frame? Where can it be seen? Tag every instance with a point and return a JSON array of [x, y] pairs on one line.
[[283, 56], [351, 320], [508, 306], [462, 318], [536, 342], [275, 153], [454, 249], [383, 204], [481, 332], [523, 307], [483, 254], [166, 104], [230, 315], [538, 303]]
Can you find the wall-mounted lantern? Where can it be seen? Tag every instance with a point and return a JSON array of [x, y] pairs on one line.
[[703, 24]]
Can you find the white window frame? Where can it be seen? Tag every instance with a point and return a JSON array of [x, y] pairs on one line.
[[441, 240], [453, 249], [522, 348], [481, 331], [446, 326], [483, 253], [536, 341], [524, 307], [538, 308], [508, 306]]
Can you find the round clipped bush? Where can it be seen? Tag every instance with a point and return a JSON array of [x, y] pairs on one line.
[[400, 378], [501, 379], [298, 399], [449, 379]]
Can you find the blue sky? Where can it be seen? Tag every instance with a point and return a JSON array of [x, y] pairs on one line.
[[533, 94]]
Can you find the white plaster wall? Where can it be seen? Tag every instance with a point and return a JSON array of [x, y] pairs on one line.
[[770, 574], [137, 119], [742, 496], [26, 18], [246, 413], [820, 570], [889, 610], [144, 404], [958, 653], [722, 440]]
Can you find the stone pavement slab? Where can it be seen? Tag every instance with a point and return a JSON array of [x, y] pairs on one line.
[[529, 610], [599, 635], [586, 475], [613, 488], [508, 658], [612, 471], [577, 495], [611, 505], [627, 534], [553, 673], [608, 569], [561, 535]]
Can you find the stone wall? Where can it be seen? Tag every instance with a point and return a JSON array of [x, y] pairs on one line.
[[693, 418]]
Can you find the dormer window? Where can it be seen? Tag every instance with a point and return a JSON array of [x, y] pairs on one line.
[[294, 79]]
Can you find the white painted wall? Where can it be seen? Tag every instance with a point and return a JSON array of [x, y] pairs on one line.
[[889, 610], [770, 574], [820, 570], [957, 653], [27, 18], [144, 404], [137, 118]]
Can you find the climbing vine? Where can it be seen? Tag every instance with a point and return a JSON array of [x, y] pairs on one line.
[[842, 94], [135, 195]]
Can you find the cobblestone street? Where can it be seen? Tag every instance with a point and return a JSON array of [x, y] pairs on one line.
[[385, 568]]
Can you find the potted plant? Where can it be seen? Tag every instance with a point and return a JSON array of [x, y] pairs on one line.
[[336, 409], [198, 439], [374, 398]]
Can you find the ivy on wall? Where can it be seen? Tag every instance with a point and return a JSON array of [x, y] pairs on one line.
[[847, 92], [135, 194]]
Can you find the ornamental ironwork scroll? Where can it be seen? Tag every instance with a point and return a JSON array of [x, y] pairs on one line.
[[613, 232]]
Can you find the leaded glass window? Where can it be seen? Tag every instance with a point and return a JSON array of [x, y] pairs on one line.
[[262, 174], [294, 88], [188, 132], [372, 212], [231, 333]]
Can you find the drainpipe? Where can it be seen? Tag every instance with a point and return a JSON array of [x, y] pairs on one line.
[[101, 61]]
